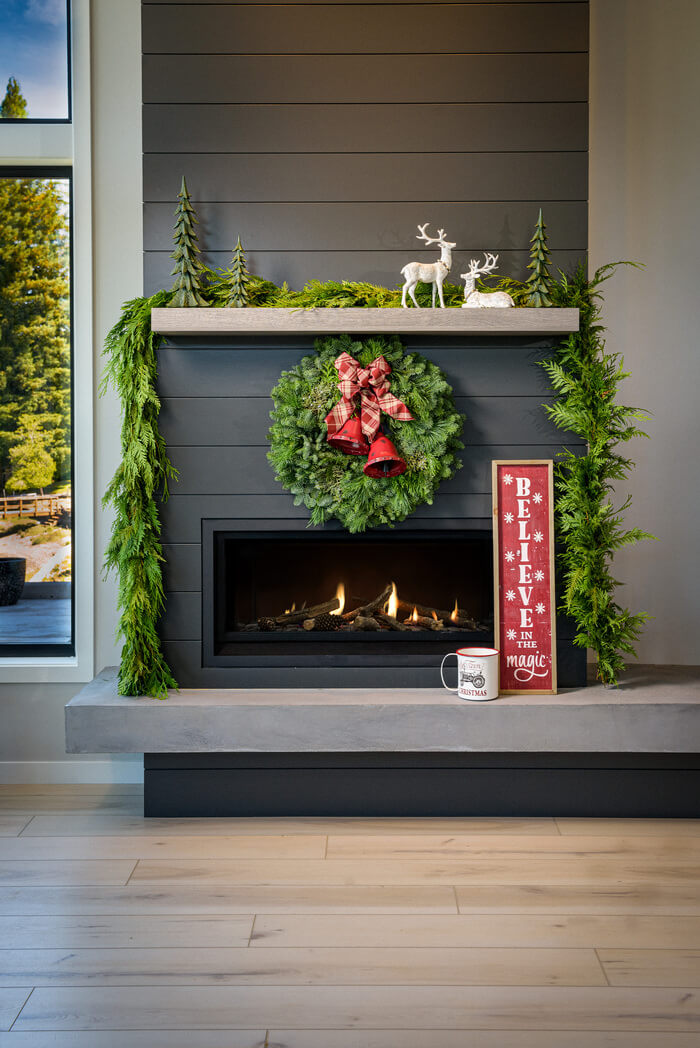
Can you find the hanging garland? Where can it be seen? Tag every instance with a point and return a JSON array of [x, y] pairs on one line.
[[334, 484], [134, 552]]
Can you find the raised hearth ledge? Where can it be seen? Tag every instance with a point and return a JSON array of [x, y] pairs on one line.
[[656, 710], [452, 321]]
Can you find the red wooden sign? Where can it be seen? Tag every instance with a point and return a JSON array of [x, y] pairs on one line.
[[523, 560]]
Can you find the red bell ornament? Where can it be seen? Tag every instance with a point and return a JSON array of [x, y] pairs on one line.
[[384, 460], [350, 438]]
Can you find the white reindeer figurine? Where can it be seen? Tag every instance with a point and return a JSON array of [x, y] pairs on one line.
[[428, 272], [477, 299]]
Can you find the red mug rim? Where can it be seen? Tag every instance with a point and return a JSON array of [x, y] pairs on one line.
[[476, 652]]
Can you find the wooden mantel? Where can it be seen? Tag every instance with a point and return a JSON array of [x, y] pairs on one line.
[[451, 321]]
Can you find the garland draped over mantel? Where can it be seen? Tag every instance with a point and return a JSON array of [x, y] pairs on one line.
[[584, 376]]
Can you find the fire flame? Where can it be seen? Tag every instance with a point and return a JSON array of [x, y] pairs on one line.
[[455, 614], [340, 594], [288, 611], [392, 605], [414, 616], [434, 614]]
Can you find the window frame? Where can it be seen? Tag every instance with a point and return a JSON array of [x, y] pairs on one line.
[[62, 148]]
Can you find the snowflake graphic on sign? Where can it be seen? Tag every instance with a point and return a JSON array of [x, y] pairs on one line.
[[511, 634], [510, 556], [507, 479], [508, 518], [538, 536], [539, 608], [539, 576], [510, 595], [537, 498]]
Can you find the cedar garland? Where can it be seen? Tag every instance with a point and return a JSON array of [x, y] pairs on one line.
[[134, 551]]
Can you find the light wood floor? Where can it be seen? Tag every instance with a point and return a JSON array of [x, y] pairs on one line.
[[117, 932]]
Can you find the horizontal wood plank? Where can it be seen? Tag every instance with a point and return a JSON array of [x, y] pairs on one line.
[[604, 898], [367, 1007], [146, 1039], [548, 869], [311, 846], [246, 471], [115, 825], [630, 827], [651, 967], [450, 1039], [238, 177], [367, 128], [250, 899], [224, 966], [245, 421], [31, 872], [117, 931], [264, 79], [478, 930], [464, 846], [298, 29], [472, 366], [182, 515], [372, 226]]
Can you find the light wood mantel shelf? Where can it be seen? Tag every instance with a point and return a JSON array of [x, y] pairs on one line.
[[270, 321]]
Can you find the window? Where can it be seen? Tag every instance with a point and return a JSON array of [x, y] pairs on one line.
[[46, 368], [35, 60], [35, 414]]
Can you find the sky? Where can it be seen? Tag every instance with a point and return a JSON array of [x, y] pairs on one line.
[[33, 49]]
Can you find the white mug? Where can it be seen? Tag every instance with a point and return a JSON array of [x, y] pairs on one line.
[[477, 676]]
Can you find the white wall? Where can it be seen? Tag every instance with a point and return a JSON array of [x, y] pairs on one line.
[[31, 715], [645, 206], [645, 156]]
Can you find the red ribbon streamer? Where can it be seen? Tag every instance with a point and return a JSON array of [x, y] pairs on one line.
[[372, 385]]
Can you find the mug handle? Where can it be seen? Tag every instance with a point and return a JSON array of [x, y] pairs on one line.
[[442, 675]]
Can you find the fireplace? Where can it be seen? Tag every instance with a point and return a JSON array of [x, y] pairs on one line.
[[323, 597]]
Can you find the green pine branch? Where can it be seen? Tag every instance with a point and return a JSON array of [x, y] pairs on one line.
[[134, 551]]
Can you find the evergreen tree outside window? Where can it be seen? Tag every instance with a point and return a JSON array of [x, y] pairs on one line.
[[36, 494], [35, 60]]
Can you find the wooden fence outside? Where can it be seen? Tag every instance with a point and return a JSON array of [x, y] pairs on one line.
[[34, 506]]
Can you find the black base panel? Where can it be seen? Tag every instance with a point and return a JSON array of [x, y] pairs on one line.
[[598, 785]]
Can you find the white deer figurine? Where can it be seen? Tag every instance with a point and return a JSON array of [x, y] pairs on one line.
[[477, 299], [428, 272]]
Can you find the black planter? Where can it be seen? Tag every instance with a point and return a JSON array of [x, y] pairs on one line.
[[12, 570]]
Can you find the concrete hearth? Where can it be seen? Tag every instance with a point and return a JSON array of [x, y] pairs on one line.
[[656, 710]]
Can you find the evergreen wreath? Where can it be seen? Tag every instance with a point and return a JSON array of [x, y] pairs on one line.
[[332, 484]]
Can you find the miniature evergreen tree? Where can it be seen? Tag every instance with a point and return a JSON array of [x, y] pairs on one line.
[[238, 279], [187, 289], [14, 104], [539, 283]]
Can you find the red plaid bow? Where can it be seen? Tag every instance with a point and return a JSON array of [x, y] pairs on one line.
[[373, 387]]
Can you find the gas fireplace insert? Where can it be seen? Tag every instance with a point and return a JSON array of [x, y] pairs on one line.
[[323, 597]]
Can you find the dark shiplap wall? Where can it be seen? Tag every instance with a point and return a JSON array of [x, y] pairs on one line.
[[323, 132]]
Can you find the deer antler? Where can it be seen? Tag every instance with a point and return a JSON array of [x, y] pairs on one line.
[[488, 267], [429, 240]]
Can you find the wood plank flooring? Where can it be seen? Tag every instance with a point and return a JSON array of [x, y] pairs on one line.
[[120, 932]]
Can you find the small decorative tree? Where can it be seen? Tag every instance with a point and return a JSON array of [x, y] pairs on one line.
[[187, 289], [30, 462], [14, 104], [237, 279], [539, 283]]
